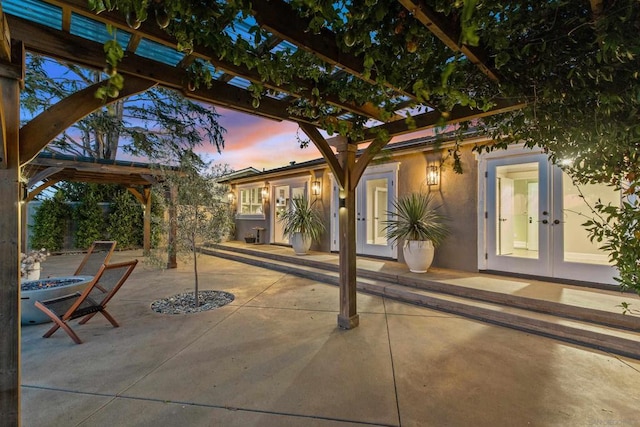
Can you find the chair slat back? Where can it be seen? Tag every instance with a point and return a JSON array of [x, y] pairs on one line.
[[110, 278], [98, 254]]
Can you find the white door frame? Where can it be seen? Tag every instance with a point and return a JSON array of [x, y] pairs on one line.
[[291, 183]]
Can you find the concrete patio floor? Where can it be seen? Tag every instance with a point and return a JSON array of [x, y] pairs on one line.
[[275, 357]]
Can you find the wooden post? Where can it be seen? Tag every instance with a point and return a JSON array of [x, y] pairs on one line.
[[348, 317], [172, 196], [145, 200], [10, 237]]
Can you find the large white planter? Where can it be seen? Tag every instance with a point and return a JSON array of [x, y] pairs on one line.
[[300, 246], [418, 255]]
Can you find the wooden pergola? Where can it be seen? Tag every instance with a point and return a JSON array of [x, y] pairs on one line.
[[47, 169], [51, 33]]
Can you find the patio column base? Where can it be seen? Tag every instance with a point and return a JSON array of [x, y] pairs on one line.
[[348, 322]]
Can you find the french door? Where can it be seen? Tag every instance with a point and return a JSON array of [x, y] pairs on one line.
[[282, 196], [533, 216], [375, 194]]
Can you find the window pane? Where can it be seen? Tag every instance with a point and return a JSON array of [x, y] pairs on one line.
[[576, 211], [517, 210]]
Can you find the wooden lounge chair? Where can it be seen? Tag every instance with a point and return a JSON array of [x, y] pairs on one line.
[[98, 254], [91, 301]]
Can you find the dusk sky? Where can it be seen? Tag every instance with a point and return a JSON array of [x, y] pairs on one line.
[[263, 143]]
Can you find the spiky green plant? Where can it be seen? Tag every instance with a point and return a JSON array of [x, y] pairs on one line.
[[415, 218], [301, 218]]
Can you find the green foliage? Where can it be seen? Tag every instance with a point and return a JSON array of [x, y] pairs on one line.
[[415, 218], [77, 191], [50, 223], [157, 217], [89, 219], [615, 228], [126, 221], [301, 217]]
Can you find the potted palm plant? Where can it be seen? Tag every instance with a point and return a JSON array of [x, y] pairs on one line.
[[418, 224], [302, 224]]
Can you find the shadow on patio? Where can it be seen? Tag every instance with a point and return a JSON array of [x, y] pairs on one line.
[[274, 356]]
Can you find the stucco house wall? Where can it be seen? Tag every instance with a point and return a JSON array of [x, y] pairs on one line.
[[457, 194]]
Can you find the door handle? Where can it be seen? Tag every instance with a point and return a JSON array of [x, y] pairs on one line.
[[544, 221], [556, 221]]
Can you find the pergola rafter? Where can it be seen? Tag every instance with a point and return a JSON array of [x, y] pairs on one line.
[[449, 34]]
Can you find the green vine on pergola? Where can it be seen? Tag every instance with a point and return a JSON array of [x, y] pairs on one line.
[[574, 63]]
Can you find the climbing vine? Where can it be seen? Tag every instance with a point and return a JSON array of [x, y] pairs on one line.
[[573, 63]]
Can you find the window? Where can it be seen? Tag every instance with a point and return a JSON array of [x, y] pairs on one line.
[[250, 201]]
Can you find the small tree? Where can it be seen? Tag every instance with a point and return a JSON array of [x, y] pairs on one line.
[[50, 223], [202, 213]]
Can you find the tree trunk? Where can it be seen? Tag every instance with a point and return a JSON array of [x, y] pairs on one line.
[[195, 267]]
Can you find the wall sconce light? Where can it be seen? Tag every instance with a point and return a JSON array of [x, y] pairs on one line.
[[433, 175], [231, 196], [316, 188], [265, 192]]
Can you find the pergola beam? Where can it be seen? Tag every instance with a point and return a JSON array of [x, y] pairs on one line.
[[324, 148], [41, 130], [449, 34], [42, 175], [436, 118]]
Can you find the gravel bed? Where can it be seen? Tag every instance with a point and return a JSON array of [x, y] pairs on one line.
[[185, 303]]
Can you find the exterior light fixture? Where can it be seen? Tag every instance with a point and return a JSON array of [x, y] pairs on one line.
[[316, 188], [231, 196], [433, 175], [265, 192]]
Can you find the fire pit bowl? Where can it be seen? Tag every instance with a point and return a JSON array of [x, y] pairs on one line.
[[44, 289]]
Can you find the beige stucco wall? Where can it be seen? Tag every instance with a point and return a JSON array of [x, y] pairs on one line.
[[456, 192], [459, 198]]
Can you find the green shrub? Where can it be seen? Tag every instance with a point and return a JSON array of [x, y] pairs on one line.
[[89, 219], [50, 223], [126, 221]]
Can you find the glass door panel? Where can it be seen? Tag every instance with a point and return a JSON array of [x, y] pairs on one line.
[[575, 255], [281, 201], [372, 203], [514, 209]]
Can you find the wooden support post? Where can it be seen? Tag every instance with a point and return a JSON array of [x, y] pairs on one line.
[[348, 317], [10, 248], [145, 200], [172, 196]]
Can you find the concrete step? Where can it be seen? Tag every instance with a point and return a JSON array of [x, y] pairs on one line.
[[610, 338], [442, 284]]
